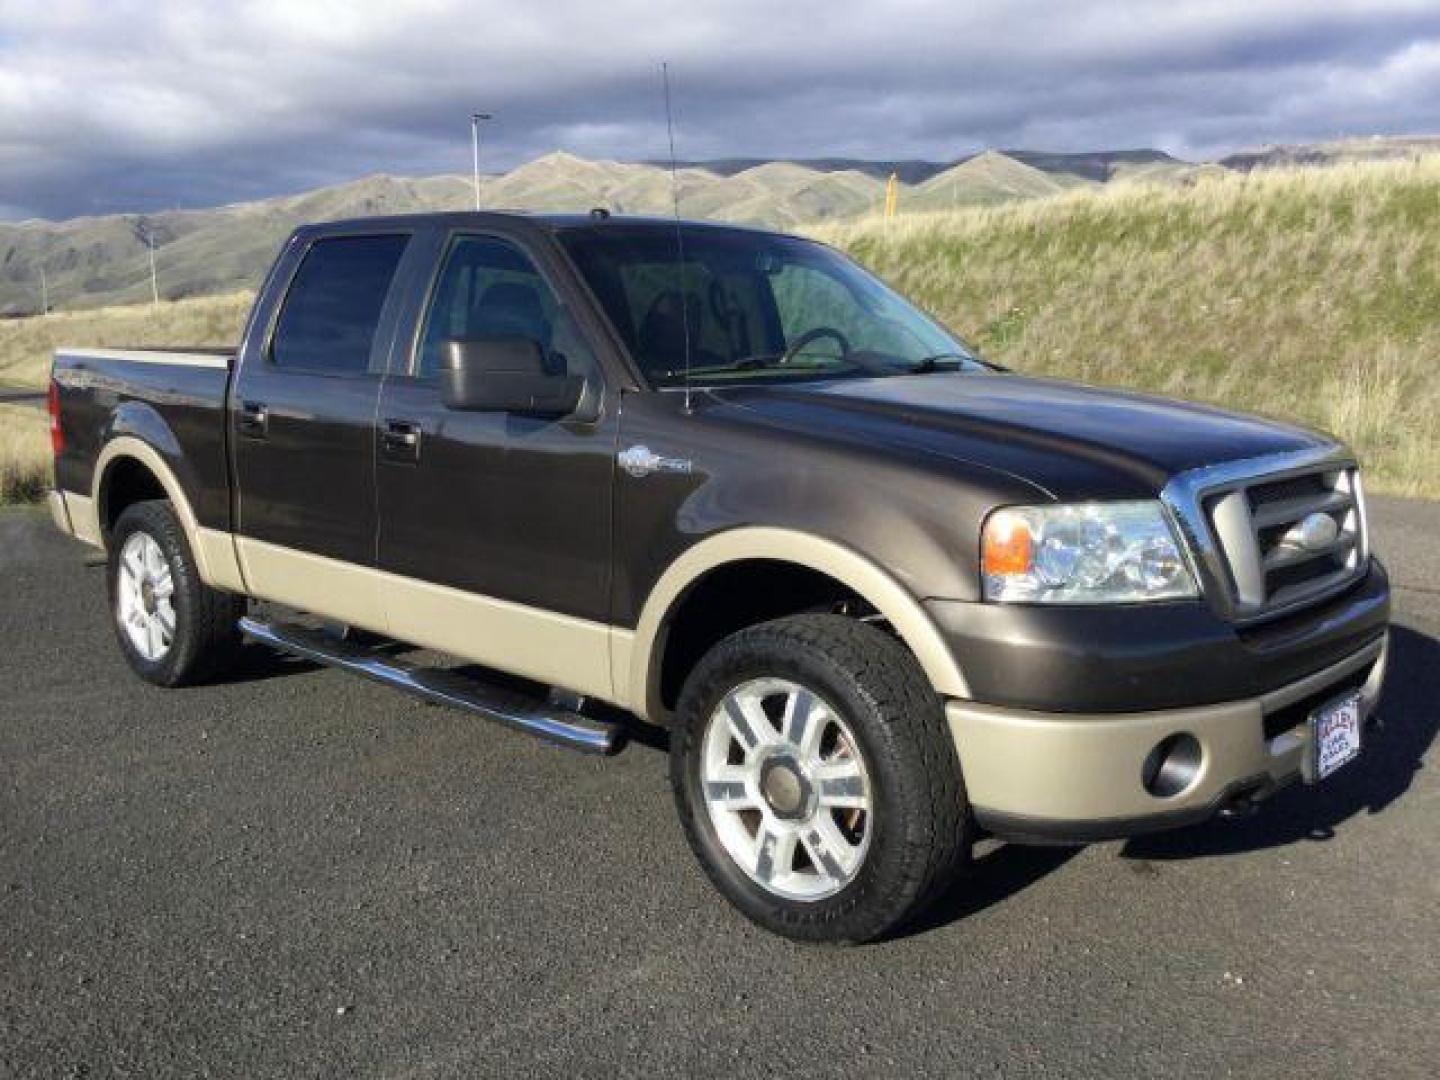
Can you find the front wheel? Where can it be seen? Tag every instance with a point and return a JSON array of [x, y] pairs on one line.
[[172, 627], [816, 778]]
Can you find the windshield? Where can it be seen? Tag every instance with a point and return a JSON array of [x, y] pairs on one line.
[[753, 307]]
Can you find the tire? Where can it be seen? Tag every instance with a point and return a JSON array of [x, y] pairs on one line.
[[869, 785], [173, 629]]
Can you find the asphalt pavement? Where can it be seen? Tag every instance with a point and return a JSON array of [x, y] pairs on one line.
[[298, 873]]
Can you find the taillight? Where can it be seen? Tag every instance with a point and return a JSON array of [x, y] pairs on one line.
[[57, 433]]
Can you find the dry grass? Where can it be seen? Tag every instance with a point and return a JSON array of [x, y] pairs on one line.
[[27, 344], [1310, 294], [24, 454]]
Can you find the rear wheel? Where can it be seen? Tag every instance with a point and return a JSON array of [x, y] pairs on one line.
[[816, 779], [172, 627]]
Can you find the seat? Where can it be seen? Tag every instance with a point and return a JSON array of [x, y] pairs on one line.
[[510, 309], [661, 340]]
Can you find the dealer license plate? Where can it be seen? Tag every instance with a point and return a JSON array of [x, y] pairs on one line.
[[1335, 735]]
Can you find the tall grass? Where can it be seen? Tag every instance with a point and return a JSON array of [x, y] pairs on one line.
[[26, 345], [24, 454], [1310, 294]]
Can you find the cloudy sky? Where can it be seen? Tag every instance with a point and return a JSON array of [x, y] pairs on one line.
[[145, 104]]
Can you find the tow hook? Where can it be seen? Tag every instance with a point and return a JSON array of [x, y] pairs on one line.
[[1241, 805], [1240, 808]]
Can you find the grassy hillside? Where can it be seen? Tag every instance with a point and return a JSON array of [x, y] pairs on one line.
[[1310, 294], [98, 261], [27, 344], [984, 180]]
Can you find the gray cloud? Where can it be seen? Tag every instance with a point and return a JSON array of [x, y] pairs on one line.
[[120, 104]]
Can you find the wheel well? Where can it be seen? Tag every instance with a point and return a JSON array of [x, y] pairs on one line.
[[126, 482], [741, 594]]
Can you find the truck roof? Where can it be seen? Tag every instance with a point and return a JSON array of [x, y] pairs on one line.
[[546, 221]]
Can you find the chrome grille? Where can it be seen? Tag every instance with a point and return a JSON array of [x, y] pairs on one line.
[[1275, 534]]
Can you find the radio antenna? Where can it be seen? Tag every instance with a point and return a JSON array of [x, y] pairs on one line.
[[679, 237]]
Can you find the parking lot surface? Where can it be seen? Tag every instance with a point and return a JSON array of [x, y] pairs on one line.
[[298, 873]]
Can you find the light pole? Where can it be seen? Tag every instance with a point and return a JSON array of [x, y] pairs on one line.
[[154, 281], [44, 294], [476, 119]]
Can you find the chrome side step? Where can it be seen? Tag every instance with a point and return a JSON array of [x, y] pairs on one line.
[[563, 726]]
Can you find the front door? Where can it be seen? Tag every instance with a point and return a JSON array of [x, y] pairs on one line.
[[496, 525]]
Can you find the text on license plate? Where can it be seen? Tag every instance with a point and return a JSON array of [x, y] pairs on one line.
[[1335, 734]]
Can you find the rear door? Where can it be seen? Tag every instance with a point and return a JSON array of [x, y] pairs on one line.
[[303, 423]]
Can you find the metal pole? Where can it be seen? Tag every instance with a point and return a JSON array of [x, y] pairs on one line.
[[475, 121], [44, 294], [154, 282]]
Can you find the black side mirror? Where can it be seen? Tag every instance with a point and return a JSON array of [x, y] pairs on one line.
[[505, 375]]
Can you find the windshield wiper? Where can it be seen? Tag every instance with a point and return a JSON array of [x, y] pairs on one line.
[[938, 362], [745, 363]]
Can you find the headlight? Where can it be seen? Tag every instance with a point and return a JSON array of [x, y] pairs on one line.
[[1085, 553]]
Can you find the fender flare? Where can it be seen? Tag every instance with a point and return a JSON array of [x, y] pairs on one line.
[[214, 551], [640, 674]]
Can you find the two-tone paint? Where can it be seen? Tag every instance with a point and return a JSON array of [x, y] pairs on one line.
[[498, 522]]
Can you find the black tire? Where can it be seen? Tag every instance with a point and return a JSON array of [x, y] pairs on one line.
[[206, 637], [922, 826]]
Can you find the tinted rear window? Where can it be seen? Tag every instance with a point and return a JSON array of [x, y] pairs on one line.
[[333, 306]]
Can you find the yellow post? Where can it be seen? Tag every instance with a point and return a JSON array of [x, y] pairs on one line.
[[892, 195]]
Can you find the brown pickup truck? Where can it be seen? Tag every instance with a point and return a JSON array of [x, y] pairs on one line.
[[887, 597]]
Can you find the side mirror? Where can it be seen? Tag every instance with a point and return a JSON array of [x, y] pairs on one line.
[[505, 375]]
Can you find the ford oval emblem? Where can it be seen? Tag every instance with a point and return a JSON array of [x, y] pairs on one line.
[[1315, 532]]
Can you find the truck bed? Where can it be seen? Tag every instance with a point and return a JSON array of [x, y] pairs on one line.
[[172, 397]]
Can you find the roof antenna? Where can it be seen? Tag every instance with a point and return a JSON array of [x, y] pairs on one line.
[[679, 239]]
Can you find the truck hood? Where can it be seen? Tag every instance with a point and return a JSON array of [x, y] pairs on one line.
[[1072, 441]]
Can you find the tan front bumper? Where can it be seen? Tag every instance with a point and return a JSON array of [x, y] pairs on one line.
[[1045, 776]]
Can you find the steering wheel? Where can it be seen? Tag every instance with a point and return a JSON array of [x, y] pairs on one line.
[[811, 336]]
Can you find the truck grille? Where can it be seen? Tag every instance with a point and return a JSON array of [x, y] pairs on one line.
[[1271, 540]]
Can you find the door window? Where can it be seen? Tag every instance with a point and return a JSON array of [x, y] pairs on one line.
[[328, 322], [489, 288]]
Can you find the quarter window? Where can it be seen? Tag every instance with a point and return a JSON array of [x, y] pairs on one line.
[[333, 307]]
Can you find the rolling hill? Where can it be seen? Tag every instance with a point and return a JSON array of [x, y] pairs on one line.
[[97, 261], [1304, 292]]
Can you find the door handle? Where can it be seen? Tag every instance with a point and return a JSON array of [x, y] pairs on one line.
[[401, 439], [254, 419]]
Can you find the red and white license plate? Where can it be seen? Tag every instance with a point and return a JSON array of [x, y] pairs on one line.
[[1335, 735]]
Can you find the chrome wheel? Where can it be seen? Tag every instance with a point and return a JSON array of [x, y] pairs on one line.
[[786, 789], [144, 597]]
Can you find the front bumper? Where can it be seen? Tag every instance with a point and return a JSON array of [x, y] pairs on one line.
[[1073, 778], [1127, 658]]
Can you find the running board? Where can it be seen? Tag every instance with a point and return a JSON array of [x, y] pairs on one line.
[[563, 726]]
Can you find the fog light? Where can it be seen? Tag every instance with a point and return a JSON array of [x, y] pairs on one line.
[[1172, 766]]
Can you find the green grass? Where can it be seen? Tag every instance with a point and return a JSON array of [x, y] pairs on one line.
[[1311, 295]]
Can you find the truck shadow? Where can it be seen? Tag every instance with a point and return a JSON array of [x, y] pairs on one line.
[[256, 663], [1385, 770], [991, 879]]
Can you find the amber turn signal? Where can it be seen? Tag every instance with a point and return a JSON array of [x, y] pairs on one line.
[[1006, 547]]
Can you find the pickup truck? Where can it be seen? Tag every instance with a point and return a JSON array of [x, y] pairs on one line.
[[888, 599]]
